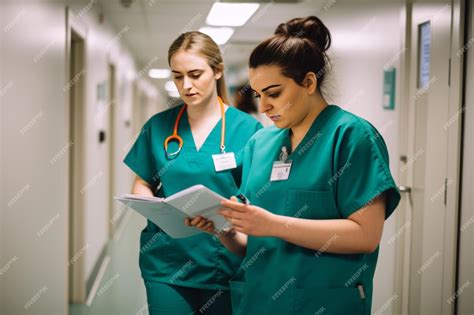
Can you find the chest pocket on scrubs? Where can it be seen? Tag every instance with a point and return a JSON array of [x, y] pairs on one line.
[[307, 204]]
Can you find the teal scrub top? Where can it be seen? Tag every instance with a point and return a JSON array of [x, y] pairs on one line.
[[199, 261], [339, 167]]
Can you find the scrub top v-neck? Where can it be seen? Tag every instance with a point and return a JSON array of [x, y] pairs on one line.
[[338, 168], [199, 261]]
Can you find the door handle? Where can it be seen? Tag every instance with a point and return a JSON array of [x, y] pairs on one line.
[[404, 189], [407, 190]]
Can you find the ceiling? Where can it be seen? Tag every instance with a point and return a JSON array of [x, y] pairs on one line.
[[154, 24]]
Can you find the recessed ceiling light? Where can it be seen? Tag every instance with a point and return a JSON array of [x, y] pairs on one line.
[[219, 34], [159, 73], [231, 14], [170, 86], [174, 94]]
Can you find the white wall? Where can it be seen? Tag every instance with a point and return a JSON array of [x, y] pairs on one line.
[[2, 200], [34, 187], [34, 128], [366, 37]]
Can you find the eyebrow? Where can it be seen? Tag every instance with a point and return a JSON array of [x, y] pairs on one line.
[[174, 71], [268, 87]]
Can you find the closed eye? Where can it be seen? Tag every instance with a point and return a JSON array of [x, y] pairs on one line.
[[272, 95]]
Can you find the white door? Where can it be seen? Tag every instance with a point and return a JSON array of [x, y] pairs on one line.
[[111, 105], [429, 266], [76, 41]]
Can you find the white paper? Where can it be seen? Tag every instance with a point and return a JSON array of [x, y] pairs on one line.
[[169, 213]]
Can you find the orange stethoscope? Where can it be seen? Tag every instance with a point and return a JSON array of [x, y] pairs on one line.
[[176, 137]]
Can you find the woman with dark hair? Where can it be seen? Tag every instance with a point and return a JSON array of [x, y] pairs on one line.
[[245, 101], [193, 143], [319, 184]]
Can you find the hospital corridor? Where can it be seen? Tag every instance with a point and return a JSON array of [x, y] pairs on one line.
[[243, 157]]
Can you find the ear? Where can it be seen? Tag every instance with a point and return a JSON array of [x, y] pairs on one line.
[[218, 72], [310, 82]]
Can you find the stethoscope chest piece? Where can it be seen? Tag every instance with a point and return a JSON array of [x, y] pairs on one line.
[[177, 138], [172, 155]]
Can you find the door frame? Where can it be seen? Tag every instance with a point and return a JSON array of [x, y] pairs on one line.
[[402, 283], [402, 257], [454, 159], [453, 205], [111, 128], [75, 277], [464, 250]]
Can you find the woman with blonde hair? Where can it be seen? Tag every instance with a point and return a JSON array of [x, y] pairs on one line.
[[198, 142]]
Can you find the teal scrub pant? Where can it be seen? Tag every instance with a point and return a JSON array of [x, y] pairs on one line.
[[170, 299]]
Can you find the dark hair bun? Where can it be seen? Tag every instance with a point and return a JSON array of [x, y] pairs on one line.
[[311, 28], [298, 46]]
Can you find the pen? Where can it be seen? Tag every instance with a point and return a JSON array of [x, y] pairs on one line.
[[243, 199], [157, 190]]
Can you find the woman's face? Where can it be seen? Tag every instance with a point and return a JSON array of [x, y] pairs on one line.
[[194, 78], [281, 99]]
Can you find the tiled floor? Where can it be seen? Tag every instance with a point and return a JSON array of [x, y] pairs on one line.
[[121, 291]]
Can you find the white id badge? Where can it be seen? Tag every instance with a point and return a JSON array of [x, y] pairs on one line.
[[224, 161], [280, 171]]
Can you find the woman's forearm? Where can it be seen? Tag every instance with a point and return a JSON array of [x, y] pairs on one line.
[[234, 241], [334, 236], [339, 236], [140, 187]]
